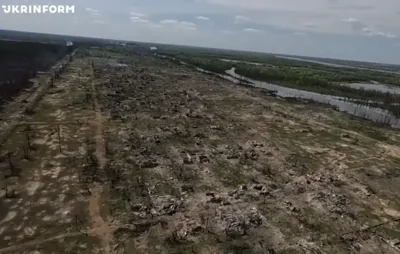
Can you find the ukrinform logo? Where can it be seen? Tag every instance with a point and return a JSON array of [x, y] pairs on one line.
[[38, 9]]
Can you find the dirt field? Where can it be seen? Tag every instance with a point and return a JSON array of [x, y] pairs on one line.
[[156, 158]]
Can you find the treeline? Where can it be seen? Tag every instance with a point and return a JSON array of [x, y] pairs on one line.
[[213, 65], [296, 74], [310, 80], [294, 67], [209, 64], [20, 61]]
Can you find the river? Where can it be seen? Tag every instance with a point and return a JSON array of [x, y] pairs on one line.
[[340, 103]]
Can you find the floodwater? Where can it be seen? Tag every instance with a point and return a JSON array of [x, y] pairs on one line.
[[238, 61], [334, 65], [375, 87], [371, 113], [340, 103], [317, 62], [367, 86]]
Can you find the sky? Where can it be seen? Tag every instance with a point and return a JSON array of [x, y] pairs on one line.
[[366, 30]]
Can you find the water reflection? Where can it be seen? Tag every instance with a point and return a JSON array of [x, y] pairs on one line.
[[375, 87], [318, 62], [334, 65], [371, 113], [238, 61], [340, 103]]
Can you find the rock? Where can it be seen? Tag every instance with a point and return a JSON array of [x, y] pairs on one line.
[[258, 187]]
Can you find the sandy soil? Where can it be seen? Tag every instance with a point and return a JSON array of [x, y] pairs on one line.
[[156, 158]]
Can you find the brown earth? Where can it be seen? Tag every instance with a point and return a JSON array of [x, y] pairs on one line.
[[156, 158]]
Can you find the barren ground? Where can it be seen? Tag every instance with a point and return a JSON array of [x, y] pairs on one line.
[[156, 158]]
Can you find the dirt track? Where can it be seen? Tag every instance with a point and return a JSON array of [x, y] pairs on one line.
[[167, 160]]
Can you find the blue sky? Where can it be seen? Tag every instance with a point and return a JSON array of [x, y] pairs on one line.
[[349, 29]]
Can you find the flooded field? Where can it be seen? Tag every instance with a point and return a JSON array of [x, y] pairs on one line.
[[375, 87], [237, 61], [334, 65], [357, 109], [348, 105], [317, 62]]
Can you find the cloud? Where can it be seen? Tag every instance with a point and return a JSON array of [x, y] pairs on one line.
[[186, 26], [152, 25], [350, 20], [98, 21], [338, 28], [185, 23], [359, 26], [93, 12], [169, 21], [251, 30], [367, 31], [202, 18], [241, 19], [286, 14], [180, 25], [387, 35], [137, 14], [355, 24], [138, 20], [336, 5], [353, 7]]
